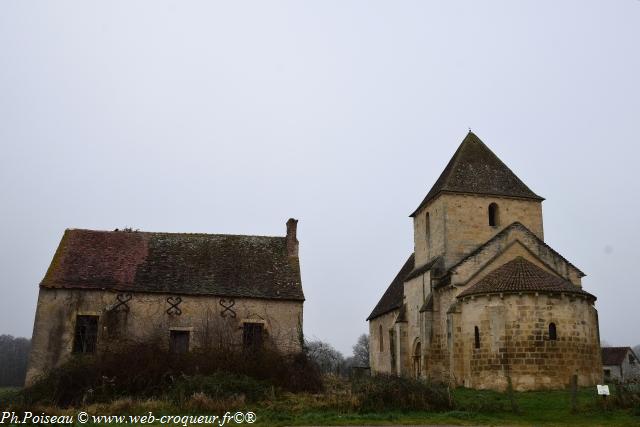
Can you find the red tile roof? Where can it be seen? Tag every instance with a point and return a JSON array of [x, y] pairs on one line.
[[520, 275]]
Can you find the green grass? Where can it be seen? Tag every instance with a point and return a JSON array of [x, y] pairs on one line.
[[544, 408], [336, 407]]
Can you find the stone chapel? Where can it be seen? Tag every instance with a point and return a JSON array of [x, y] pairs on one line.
[[483, 300]]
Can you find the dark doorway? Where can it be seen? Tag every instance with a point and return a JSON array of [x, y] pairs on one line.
[[252, 336], [86, 334], [179, 342]]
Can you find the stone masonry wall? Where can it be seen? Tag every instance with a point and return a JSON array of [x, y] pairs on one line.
[[147, 319], [515, 341], [460, 223], [467, 221], [380, 355], [516, 242], [435, 246]]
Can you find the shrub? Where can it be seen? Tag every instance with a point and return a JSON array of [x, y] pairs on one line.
[[148, 370], [386, 392], [627, 395], [221, 385]]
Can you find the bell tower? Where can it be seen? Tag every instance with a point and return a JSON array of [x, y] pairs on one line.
[[475, 197]]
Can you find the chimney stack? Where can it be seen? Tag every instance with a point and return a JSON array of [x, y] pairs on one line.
[[292, 240]]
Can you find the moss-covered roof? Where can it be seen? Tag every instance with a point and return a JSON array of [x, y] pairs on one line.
[[197, 264], [475, 169]]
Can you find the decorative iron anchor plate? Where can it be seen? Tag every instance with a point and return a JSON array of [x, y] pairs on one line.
[[227, 304], [121, 302], [174, 303]]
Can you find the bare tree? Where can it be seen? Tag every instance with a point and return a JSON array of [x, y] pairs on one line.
[[328, 359], [361, 352]]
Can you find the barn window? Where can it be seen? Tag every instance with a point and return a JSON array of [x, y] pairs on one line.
[[493, 214], [381, 338], [179, 342], [476, 336], [252, 336], [553, 334], [86, 334]]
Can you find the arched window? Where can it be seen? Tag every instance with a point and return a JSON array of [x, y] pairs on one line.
[[476, 334], [553, 334], [427, 227], [493, 214], [381, 338]]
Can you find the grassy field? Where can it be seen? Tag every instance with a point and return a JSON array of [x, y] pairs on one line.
[[336, 408], [472, 408]]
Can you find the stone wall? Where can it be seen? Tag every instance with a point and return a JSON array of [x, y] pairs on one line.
[[516, 241], [415, 292], [515, 341], [380, 358], [147, 320], [424, 248], [438, 355], [630, 370], [612, 373], [460, 223]]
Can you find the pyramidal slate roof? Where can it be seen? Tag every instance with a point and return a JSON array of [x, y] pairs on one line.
[[520, 275], [178, 263], [475, 169]]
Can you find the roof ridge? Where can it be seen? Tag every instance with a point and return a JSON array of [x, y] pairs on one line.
[[171, 233], [389, 301], [515, 224]]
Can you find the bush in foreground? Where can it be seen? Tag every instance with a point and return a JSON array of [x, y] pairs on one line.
[[145, 371], [387, 393]]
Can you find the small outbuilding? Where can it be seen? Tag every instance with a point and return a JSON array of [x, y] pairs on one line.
[[620, 364]]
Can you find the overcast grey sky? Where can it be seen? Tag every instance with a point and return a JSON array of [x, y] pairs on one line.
[[230, 117]]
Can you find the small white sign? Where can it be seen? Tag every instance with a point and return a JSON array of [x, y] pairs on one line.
[[603, 390]]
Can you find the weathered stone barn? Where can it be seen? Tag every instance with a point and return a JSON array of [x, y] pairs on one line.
[[179, 290], [483, 299]]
